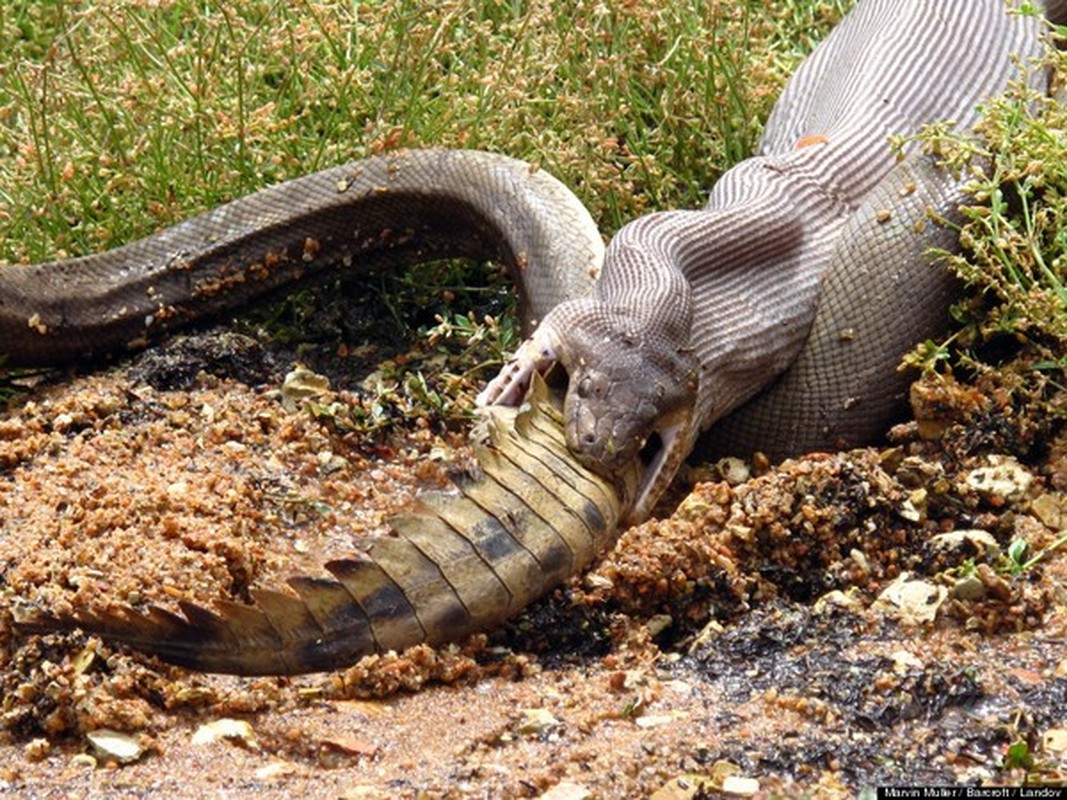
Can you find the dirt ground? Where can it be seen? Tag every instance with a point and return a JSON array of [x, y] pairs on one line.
[[834, 623]]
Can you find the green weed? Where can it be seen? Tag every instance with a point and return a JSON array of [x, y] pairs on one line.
[[1018, 560], [1013, 240], [117, 119]]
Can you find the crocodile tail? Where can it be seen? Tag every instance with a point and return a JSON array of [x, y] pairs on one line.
[[461, 561]]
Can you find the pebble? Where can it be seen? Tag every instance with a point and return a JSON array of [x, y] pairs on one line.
[[1054, 740], [836, 598], [37, 749], [237, 730], [302, 384], [964, 540], [1003, 478], [567, 791], [658, 623], [740, 786], [275, 770], [910, 511], [83, 761], [904, 662], [1051, 509], [733, 470], [537, 720], [350, 745], [911, 600], [330, 462], [684, 787], [655, 720], [859, 558], [115, 746], [969, 588], [177, 490]]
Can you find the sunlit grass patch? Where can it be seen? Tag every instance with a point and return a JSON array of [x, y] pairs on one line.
[[117, 119]]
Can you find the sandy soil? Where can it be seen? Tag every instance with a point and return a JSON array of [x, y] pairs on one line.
[[741, 637]]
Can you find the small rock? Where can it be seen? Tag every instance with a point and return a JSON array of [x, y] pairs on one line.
[[911, 600], [83, 761], [632, 678], [1004, 479], [61, 422], [330, 462], [655, 720], [904, 662], [733, 470], [710, 632], [859, 558], [658, 623], [1054, 740], [567, 791], [537, 721], [1051, 509], [115, 746], [968, 542], [910, 511], [350, 745], [235, 730], [723, 769], [86, 659], [969, 587], [684, 787], [195, 696], [275, 770], [740, 786], [594, 581], [37, 749], [848, 601], [177, 490], [302, 384]]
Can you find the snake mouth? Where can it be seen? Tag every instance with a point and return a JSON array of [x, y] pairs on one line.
[[658, 457], [661, 455]]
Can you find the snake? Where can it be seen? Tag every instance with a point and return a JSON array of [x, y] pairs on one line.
[[772, 319]]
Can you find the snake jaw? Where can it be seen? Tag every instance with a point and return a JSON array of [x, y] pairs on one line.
[[675, 437], [605, 443]]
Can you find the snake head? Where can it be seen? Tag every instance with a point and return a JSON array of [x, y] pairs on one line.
[[631, 394]]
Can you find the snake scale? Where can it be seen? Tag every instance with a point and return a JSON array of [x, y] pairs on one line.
[[772, 319]]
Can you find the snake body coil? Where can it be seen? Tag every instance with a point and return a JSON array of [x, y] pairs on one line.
[[805, 269]]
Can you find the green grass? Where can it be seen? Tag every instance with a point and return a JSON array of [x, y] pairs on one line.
[[119, 119], [1014, 244]]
